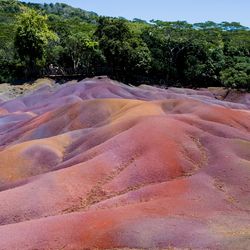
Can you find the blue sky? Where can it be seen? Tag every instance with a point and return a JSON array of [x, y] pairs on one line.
[[170, 10]]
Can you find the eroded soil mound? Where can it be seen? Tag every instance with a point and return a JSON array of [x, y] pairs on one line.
[[8, 91], [101, 165]]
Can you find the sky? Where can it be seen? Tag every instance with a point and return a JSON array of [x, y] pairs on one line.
[[168, 10]]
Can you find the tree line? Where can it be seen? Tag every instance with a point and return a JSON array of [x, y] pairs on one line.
[[56, 39]]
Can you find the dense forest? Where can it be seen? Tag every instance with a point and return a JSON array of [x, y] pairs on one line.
[[58, 40]]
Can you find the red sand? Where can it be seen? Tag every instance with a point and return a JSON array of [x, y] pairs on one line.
[[100, 165]]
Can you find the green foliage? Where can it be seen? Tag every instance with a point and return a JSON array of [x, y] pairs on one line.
[[32, 37], [65, 11], [125, 52], [10, 6], [57, 39], [82, 49], [238, 75], [113, 35]]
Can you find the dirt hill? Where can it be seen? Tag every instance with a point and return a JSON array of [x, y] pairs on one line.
[[101, 165]]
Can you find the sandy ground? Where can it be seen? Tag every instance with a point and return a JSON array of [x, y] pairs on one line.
[[8, 91], [102, 165]]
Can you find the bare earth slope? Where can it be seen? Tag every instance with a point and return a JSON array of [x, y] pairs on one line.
[[101, 165]]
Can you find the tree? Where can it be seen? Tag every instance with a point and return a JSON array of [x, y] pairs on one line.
[[173, 53], [9, 6], [32, 37], [238, 75], [81, 49], [124, 50], [139, 56]]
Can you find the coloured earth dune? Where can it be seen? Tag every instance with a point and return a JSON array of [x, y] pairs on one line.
[[102, 165]]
